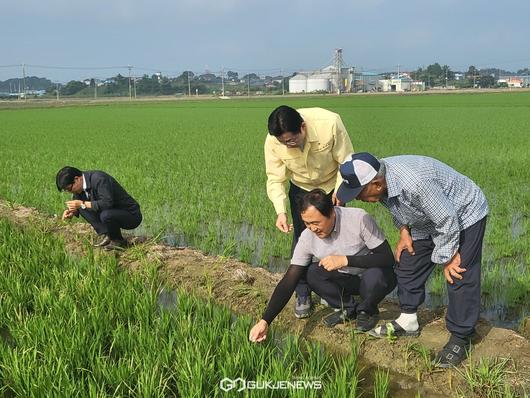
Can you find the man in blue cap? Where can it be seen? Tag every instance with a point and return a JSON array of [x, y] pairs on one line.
[[441, 216]]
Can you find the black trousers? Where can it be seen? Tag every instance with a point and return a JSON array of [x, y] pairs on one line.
[[337, 288], [111, 221], [296, 194], [464, 295]]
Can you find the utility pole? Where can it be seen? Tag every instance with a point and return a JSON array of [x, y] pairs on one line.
[[223, 82], [338, 66], [57, 91], [189, 85], [248, 85], [283, 82], [24, 81], [134, 84], [95, 89], [130, 91]]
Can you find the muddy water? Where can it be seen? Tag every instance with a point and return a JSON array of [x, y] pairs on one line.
[[244, 235], [517, 226], [6, 337]]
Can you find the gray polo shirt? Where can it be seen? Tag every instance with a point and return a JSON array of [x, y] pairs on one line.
[[355, 233]]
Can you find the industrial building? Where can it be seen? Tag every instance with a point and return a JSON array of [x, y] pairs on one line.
[[400, 83], [323, 80]]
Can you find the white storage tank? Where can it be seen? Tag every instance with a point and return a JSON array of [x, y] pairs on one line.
[[298, 84], [318, 82]]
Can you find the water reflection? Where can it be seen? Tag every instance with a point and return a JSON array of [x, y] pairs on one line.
[[167, 300], [6, 337], [244, 240]]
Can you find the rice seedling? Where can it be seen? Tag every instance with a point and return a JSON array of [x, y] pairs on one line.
[[81, 327], [487, 377], [424, 357], [381, 383]]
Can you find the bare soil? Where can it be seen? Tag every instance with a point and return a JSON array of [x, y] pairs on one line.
[[246, 290]]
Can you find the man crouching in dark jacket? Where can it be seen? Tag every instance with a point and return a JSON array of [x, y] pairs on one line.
[[101, 201]]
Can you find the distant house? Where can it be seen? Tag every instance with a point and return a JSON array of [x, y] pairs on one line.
[[401, 83], [514, 81]]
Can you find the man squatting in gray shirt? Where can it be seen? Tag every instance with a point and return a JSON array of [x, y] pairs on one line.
[[342, 252]]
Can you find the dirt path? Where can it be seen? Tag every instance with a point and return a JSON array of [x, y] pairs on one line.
[[246, 290]]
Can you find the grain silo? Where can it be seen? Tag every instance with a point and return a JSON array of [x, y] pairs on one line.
[[318, 82], [298, 83]]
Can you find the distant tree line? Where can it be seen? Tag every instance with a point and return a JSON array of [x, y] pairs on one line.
[[31, 82], [436, 75], [157, 84]]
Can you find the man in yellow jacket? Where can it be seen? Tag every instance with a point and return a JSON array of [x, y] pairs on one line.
[[305, 147]]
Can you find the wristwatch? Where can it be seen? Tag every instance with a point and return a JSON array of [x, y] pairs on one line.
[[83, 206]]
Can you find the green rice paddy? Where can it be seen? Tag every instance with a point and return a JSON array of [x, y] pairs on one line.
[[72, 326], [197, 167]]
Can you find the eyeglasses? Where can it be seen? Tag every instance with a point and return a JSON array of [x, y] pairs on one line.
[[293, 141]]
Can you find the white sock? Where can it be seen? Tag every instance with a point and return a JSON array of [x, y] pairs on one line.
[[409, 322]]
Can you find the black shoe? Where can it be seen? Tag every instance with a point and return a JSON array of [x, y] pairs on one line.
[[303, 307], [104, 242], [120, 244], [365, 321], [338, 317], [454, 352]]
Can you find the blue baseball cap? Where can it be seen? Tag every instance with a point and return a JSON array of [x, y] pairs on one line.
[[357, 171]]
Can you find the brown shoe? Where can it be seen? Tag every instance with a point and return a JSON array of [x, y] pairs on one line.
[[104, 242]]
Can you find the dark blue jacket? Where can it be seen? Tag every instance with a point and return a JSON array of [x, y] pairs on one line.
[[104, 192]]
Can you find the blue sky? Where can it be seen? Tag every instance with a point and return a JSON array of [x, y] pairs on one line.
[[257, 36]]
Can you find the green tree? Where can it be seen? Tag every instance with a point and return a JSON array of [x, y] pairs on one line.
[[183, 78], [166, 87], [434, 75], [119, 85], [472, 76], [486, 81], [72, 87], [233, 76], [148, 85], [447, 74], [253, 77]]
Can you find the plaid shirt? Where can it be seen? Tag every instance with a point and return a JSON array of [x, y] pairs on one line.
[[433, 200]]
